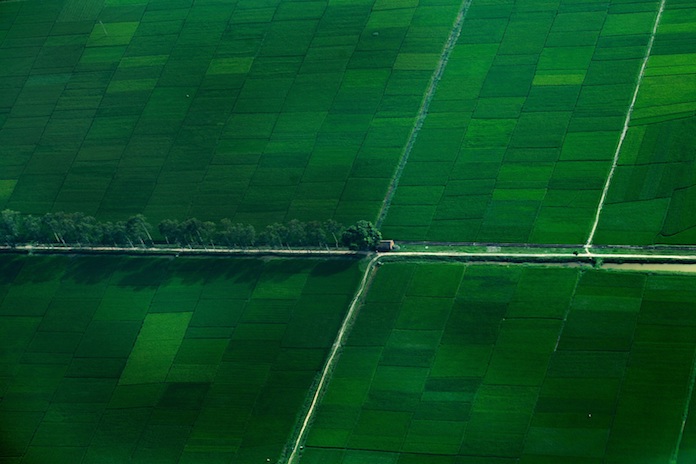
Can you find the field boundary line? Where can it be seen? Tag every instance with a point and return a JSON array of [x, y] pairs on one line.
[[425, 106], [526, 254], [627, 121], [685, 414], [333, 358]]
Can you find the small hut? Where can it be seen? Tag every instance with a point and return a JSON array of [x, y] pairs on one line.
[[385, 245]]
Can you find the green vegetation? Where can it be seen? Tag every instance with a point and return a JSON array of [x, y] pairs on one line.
[[361, 236], [654, 186], [257, 112], [521, 132], [154, 359], [449, 363], [81, 230], [239, 123]]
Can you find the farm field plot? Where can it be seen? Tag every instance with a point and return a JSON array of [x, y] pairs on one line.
[[653, 191], [260, 111], [520, 135], [161, 360], [453, 364]]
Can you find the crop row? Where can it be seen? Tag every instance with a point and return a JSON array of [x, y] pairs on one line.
[[259, 113], [151, 359], [653, 186], [520, 136], [455, 363]]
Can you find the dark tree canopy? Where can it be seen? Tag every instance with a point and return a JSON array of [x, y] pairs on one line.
[[363, 235], [83, 230]]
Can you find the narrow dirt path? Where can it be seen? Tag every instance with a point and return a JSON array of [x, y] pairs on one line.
[[332, 359], [626, 124], [425, 106]]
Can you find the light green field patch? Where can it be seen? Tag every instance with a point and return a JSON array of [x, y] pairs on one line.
[[628, 24], [394, 4], [485, 133], [566, 58], [131, 85], [671, 89], [123, 2], [104, 34], [416, 61], [97, 55], [155, 348], [390, 18], [519, 194], [662, 113], [302, 10], [6, 188], [137, 61], [578, 21], [589, 146], [668, 70], [239, 65], [559, 78]]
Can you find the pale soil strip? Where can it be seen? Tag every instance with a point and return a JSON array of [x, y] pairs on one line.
[[425, 106], [541, 257], [645, 256], [627, 121], [177, 251], [685, 414], [332, 359], [658, 267]]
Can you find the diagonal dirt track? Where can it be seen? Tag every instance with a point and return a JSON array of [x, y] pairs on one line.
[[425, 106], [626, 124]]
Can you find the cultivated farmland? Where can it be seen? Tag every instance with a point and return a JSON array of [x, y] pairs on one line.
[[653, 192], [160, 360], [499, 121], [503, 364], [522, 130], [259, 111]]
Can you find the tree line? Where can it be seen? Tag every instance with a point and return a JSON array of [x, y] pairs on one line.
[[83, 230]]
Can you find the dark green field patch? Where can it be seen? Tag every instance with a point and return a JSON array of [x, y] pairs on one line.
[[202, 363], [508, 374]]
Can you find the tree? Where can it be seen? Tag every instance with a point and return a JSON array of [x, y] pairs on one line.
[[363, 235], [10, 222], [86, 229], [138, 229], [114, 234], [296, 233], [58, 224], [316, 234], [170, 230], [274, 235], [207, 233], [236, 235], [334, 230], [32, 230], [190, 231]]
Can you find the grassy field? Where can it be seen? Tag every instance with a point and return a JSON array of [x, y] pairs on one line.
[[264, 111], [504, 364], [520, 136], [654, 189], [161, 360], [257, 111], [277, 110]]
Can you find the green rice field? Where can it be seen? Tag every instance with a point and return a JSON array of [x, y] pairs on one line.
[[513, 364], [488, 121], [113, 360], [523, 127], [259, 111], [653, 193], [267, 111]]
